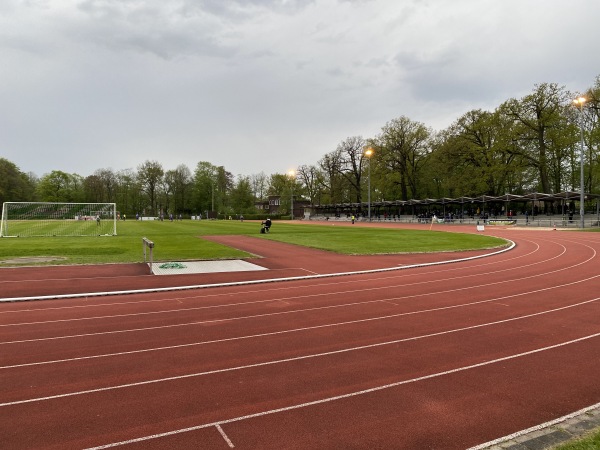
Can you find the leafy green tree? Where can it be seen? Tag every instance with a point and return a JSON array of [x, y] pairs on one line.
[[101, 186], [283, 186], [591, 124], [242, 198], [150, 175], [331, 180], [93, 189], [182, 185], [58, 186], [167, 190], [15, 186], [203, 191], [128, 196], [479, 156], [403, 147], [541, 131], [224, 185], [211, 188]]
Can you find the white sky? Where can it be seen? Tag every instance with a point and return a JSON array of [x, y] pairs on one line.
[[265, 85]]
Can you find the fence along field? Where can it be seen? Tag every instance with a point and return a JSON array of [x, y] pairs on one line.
[[39, 219]]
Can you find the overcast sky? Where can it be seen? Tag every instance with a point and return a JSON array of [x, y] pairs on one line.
[[265, 85]]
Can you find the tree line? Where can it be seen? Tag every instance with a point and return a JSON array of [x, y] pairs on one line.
[[531, 144]]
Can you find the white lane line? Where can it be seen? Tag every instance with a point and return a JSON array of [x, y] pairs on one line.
[[252, 282], [541, 426], [296, 358], [305, 310], [229, 294], [178, 310], [212, 321], [205, 295], [353, 291], [197, 308], [229, 443], [292, 330], [343, 396]]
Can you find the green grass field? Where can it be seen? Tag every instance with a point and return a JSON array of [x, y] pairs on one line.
[[588, 442], [183, 241]]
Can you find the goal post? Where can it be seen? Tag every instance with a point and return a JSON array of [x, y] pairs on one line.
[[29, 219]]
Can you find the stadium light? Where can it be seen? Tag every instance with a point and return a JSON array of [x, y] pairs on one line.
[[368, 153], [580, 101]]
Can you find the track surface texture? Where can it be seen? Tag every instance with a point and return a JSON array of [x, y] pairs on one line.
[[446, 356]]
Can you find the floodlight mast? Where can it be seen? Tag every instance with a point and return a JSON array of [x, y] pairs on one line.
[[368, 153], [580, 101]]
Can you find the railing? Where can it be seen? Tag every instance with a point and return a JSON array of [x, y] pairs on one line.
[[538, 221]]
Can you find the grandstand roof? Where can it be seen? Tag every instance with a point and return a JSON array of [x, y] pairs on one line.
[[534, 196]]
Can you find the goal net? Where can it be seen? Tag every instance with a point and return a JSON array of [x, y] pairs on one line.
[[58, 219]]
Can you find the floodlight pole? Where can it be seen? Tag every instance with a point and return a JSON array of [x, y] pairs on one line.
[[368, 154], [580, 102]]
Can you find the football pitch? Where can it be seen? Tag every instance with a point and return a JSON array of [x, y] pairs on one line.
[[183, 240]]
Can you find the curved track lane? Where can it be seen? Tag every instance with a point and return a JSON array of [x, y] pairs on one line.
[[446, 356]]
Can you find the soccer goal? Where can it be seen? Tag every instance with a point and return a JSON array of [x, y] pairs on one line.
[[58, 219]]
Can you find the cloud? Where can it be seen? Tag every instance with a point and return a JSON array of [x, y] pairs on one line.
[[264, 85]]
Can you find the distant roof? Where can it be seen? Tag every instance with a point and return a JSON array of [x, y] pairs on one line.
[[535, 196]]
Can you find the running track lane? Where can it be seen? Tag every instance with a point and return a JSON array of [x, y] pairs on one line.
[[436, 357]]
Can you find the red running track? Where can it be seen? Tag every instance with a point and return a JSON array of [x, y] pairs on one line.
[[443, 356]]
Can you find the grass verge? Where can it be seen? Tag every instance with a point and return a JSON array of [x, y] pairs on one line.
[[588, 442]]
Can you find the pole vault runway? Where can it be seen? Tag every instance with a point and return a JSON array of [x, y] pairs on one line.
[[436, 357]]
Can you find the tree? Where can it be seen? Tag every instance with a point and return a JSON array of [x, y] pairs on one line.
[[167, 190], [182, 179], [260, 184], [283, 185], [223, 187], [591, 123], [403, 147], [150, 175], [58, 186], [15, 186], [242, 198], [175, 187], [311, 179], [331, 180], [352, 158], [129, 192], [101, 187], [205, 191], [93, 189], [478, 155], [542, 133]]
